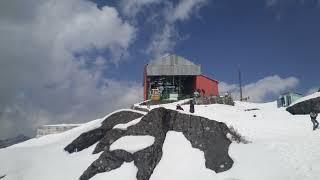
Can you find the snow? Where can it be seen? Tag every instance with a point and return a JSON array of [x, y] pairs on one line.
[[125, 126], [311, 96], [175, 165], [169, 105], [63, 125], [44, 157], [283, 147], [132, 144], [127, 171]]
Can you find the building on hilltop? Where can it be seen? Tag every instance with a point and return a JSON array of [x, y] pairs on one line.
[[172, 77], [288, 98], [55, 129]]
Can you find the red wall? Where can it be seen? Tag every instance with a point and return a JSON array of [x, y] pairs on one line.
[[210, 86]]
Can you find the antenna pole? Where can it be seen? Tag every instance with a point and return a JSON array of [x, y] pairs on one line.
[[240, 85]]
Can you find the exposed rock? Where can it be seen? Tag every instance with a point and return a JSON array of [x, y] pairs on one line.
[[85, 140], [215, 100], [305, 107], [207, 135], [11, 141], [252, 109], [89, 138], [109, 137], [121, 117], [147, 159], [107, 162], [1, 177], [151, 103], [235, 136], [137, 108]]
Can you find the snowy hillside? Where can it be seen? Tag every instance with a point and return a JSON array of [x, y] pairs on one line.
[[282, 146]]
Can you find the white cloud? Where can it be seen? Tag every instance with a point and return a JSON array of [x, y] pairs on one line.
[[313, 90], [41, 81], [165, 39], [163, 42], [185, 9], [132, 7], [164, 16], [258, 91]]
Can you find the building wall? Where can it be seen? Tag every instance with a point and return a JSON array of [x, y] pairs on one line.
[[209, 86], [286, 99], [52, 129], [295, 97]]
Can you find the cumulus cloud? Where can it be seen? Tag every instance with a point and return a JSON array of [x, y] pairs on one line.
[[165, 39], [163, 16], [184, 9], [132, 7], [260, 90], [42, 81]]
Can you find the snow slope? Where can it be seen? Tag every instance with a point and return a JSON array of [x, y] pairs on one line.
[[283, 147], [132, 144]]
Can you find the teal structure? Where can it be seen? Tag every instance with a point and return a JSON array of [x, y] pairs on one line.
[[288, 98]]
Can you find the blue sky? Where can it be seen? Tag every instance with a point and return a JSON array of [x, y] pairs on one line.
[[260, 39], [77, 60]]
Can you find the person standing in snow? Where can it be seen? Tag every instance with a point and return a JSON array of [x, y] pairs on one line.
[[191, 106], [313, 116]]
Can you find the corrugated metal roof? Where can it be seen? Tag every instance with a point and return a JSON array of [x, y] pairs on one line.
[[172, 65]]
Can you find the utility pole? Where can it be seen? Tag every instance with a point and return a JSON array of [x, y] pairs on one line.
[[240, 85]]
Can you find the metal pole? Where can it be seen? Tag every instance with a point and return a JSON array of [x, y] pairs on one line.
[[240, 84]]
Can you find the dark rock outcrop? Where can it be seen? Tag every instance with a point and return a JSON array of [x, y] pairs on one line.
[[207, 135], [305, 107], [107, 161], [108, 139], [147, 159], [121, 117], [228, 100], [11, 141], [86, 140], [89, 138]]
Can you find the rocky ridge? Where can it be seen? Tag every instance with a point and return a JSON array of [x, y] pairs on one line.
[[209, 136], [305, 107]]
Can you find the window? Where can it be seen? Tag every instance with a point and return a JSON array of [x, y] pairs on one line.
[[289, 101], [283, 103]]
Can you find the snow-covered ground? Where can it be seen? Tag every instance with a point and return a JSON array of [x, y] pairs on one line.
[[283, 147], [132, 144]]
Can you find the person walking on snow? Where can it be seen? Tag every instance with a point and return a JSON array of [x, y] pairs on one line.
[[313, 116], [191, 106]]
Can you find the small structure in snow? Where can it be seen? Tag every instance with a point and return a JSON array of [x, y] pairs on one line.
[[288, 98], [54, 129], [173, 77]]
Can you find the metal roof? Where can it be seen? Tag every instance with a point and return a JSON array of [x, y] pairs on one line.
[[173, 65]]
